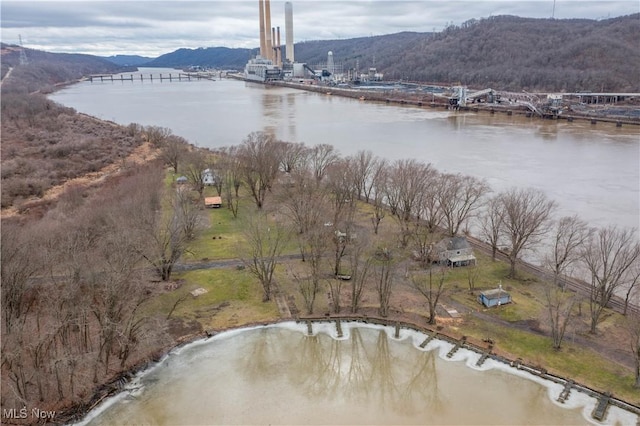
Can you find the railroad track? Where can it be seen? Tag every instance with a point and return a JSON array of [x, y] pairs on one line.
[[616, 303]]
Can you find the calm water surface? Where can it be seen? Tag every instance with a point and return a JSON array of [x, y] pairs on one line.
[[279, 375], [590, 170]]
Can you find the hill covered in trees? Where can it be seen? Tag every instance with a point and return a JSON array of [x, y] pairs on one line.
[[502, 52]]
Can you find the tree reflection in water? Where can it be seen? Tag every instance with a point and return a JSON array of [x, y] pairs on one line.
[[282, 376], [354, 370]]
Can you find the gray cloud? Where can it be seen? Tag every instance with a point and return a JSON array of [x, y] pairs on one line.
[[151, 28]]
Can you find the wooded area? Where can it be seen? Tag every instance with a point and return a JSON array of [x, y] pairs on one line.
[[81, 272]]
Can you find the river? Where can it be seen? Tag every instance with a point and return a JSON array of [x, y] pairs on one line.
[[589, 170], [280, 375]]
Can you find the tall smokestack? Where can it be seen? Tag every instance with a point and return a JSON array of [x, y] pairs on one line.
[[267, 23], [278, 48], [288, 28], [263, 45]]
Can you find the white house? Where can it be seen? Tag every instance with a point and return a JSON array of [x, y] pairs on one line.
[[208, 177], [455, 251]]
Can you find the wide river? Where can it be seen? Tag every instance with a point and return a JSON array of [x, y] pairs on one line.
[[280, 375], [590, 170]]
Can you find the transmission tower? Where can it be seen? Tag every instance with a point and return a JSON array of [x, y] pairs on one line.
[[23, 53]]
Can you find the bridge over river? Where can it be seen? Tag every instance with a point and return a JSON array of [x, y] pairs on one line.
[[171, 77]]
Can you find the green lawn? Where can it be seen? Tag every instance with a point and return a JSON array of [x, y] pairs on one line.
[[233, 297]]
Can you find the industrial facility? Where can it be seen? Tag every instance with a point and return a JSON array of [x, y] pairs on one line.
[[270, 65]]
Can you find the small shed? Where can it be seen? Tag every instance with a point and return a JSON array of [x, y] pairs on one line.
[[213, 202], [494, 297]]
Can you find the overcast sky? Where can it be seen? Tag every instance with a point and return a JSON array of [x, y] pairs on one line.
[[152, 28]]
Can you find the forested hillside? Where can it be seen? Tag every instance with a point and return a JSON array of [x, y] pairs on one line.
[[214, 57], [502, 52], [46, 68], [519, 53]]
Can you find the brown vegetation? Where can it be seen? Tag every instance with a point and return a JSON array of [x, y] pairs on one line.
[[45, 144]]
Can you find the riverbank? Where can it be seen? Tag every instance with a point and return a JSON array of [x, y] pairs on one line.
[[597, 113]]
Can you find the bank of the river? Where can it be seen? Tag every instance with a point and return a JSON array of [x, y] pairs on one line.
[[399, 98]]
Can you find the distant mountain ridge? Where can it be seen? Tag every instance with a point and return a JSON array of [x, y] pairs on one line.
[[128, 60], [501, 52]]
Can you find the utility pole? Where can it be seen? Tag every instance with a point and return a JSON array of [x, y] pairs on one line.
[[23, 54]]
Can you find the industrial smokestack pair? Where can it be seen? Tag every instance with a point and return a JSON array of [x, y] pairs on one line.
[[269, 35]]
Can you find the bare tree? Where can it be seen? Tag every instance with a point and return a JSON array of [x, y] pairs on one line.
[[609, 256], [292, 156], [308, 289], [364, 166], [385, 266], [526, 219], [265, 242], [360, 267], [156, 135], [379, 190], [570, 235], [459, 197], [229, 178], [321, 157], [173, 150], [315, 243], [405, 188], [473, 272], [305, 204], [491, 224], [160, 237], [189, 214], [632, 286], [196, 168], [423, 240], [431, 288], [20, 262], [339, 185], [632, 325], [232, 166], [335, 289], [259, 163], [429, 209], [559, 306]]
